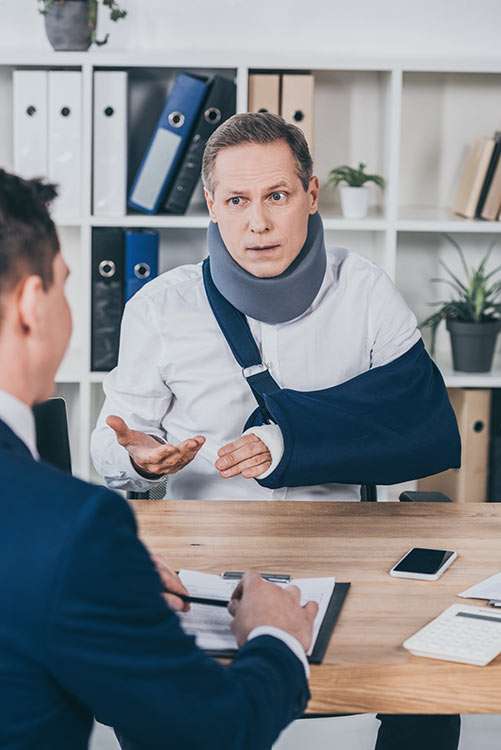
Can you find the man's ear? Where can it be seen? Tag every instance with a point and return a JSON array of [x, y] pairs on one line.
[[210, 205], [314, 192], [30, 302]]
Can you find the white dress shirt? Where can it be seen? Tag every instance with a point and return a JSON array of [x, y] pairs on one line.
[[18, 416], [176, 376]]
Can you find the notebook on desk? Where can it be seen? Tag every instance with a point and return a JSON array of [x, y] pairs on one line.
[[211, 625]]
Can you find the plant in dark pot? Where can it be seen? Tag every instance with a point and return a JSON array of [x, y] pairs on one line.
[[71, 24], [473, 316]]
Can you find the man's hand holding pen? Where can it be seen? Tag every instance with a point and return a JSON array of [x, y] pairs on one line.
[[254, 602], [258, 602]]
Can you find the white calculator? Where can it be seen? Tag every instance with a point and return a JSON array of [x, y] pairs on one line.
[[461, 633]]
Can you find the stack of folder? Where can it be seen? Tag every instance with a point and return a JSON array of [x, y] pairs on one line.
[[290, 95], [469, 483], [122, 263], [47, 130], [172, 164]]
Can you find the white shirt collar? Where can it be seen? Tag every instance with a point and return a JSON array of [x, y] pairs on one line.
[[19, 417]]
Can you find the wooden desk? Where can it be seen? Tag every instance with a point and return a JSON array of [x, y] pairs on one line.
[[366, 668]]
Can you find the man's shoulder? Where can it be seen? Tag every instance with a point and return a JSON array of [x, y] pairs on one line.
[[81, 498], [347, 263], [177, 282], [52, 494]]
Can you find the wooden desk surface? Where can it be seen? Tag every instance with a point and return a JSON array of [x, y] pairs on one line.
[[366, 668]]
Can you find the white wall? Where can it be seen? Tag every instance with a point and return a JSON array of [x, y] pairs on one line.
[[388, 27]]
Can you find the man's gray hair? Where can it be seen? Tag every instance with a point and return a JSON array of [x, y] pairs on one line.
[[256, 127]]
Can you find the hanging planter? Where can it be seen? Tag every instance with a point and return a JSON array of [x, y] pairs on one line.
[[71, 25], [472, 318]]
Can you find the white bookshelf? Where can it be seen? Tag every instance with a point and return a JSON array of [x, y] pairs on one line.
[[409, 120]]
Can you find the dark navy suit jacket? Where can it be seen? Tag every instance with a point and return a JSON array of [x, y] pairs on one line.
[[85, 631]]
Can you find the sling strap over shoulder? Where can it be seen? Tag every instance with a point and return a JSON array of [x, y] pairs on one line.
[[239, 337], [391, 424]]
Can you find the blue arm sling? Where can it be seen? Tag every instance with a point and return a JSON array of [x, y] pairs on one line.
[[391, 424]]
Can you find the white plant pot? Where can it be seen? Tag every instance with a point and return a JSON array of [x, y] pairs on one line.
[[354, 201]]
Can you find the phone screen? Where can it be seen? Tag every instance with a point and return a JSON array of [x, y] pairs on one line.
[[421, 560]]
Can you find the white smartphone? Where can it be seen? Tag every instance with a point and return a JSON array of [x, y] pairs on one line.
[[424, 564]]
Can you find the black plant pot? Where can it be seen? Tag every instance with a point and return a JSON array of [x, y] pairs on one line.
[[473, 344], [67, 25]]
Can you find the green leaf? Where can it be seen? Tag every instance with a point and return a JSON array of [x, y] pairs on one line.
[[458, 248], [453, 284], [452, 275], [486, 256], [353, 177], [491, 273]]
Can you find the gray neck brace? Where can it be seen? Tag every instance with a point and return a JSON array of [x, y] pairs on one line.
[[276, 299]]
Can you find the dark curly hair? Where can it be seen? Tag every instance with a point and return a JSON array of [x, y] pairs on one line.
[[28, 236]]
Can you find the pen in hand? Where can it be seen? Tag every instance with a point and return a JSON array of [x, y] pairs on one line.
[[198, 599]]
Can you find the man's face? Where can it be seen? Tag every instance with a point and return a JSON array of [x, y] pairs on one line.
[[261, 206], [54, 329]]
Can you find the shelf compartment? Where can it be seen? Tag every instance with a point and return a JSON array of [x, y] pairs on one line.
[[429, 219], [442, 114], [418, 257], [351, 121]]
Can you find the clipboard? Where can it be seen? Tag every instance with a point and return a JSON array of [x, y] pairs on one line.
[[324, 634]]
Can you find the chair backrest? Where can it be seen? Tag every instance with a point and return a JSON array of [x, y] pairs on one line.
[[157, 492], [368, 493], [51, 425]]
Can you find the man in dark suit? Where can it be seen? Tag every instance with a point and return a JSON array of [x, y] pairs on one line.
[[84, 627]]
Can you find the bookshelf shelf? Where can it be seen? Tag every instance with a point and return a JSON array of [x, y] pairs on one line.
[[68, 221], [195, 221], [429, 219], [456, 379], [408, 119], [339, 223], [332, 221]]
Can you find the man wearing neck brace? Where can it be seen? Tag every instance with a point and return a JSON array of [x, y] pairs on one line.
[[340, 391], [278, 369]]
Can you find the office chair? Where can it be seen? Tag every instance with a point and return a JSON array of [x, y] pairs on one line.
[[368, 494], [51, 426], [53, 445], [156, 493]]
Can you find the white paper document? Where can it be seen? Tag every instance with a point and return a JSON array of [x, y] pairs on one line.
[[211, 625], [490, 588]]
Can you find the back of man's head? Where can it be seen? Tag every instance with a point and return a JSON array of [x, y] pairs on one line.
[[28, 236]]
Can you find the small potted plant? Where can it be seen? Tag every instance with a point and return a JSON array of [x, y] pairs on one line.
[[71, 24], [472, 317], [354, 194]]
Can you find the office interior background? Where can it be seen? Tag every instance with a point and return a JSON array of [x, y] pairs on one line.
[[404, 87]]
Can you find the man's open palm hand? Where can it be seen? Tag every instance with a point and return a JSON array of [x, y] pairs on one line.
[[151, 456]]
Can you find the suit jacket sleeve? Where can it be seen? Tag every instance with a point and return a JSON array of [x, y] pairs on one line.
[[114, 645]]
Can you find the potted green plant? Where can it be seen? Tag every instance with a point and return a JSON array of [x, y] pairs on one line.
[[472, 316], [354, 194], [71, 24]]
